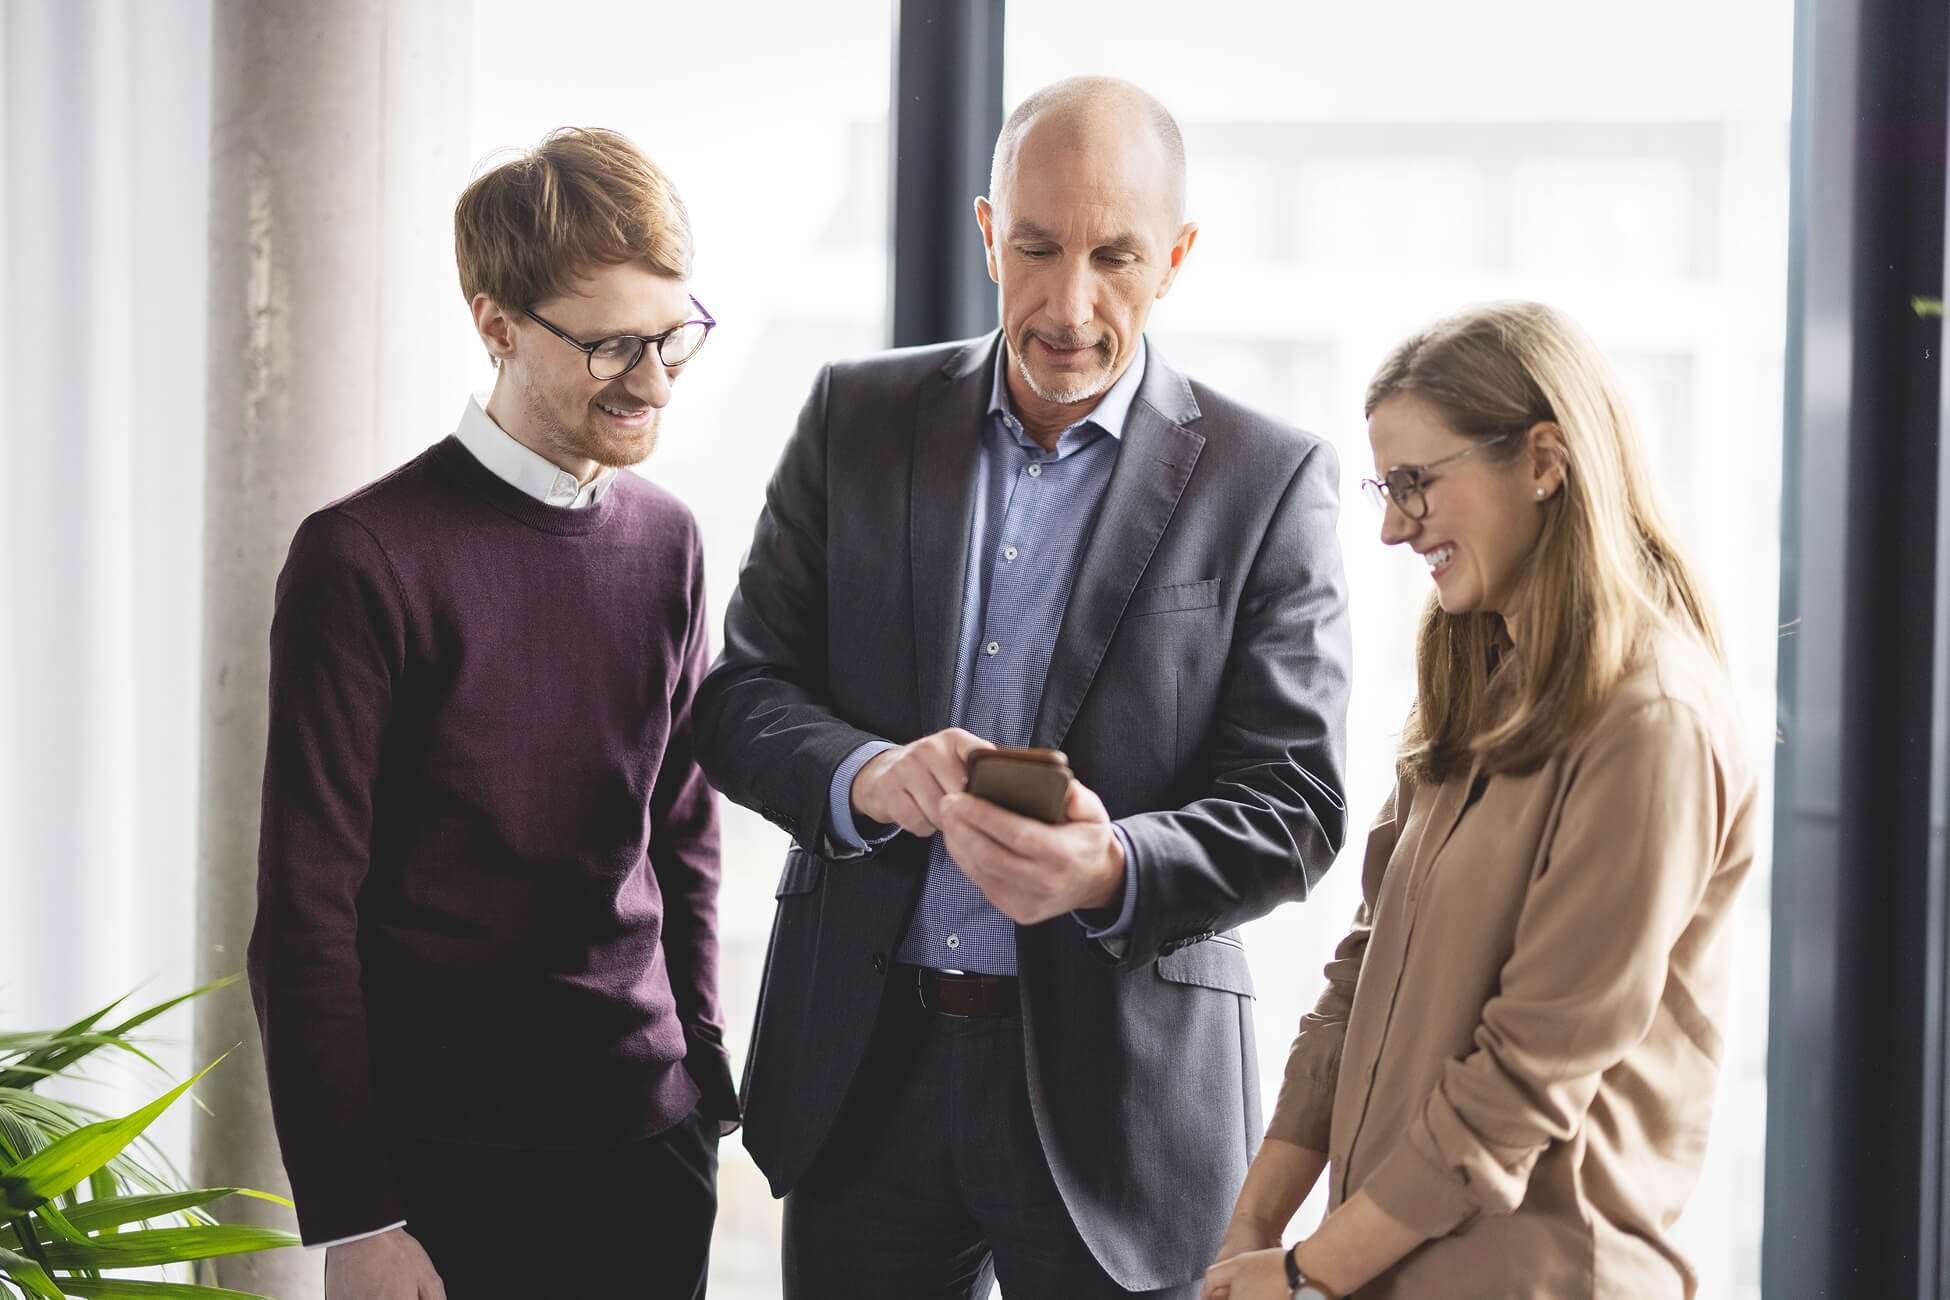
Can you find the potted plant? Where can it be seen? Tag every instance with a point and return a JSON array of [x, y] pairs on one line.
[[82, 1193]]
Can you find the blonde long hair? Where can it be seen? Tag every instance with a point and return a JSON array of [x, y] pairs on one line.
[[1605, 574]]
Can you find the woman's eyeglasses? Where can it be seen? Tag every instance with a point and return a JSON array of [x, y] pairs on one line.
[[1405, 485]]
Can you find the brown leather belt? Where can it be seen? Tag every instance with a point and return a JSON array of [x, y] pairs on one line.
[[966, 995]]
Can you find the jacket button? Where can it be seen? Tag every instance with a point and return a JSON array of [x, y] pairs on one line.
[[880, 963]]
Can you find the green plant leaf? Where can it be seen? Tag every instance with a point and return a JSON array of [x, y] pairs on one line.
[[153, 1246], [43, 1048], [58, 1227], [80, 1026], [69, 1159], [39, 1040], [114, 1211], [18, 1138], [68, 1046], [27, 1275], [55, 1152], [118, 1289], [52, 1118]]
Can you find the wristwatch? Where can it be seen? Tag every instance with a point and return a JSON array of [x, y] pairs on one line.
[[1302, 1286]]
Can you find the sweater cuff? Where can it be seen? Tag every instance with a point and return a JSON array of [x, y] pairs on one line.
[[709, 1066], [357, 1236], [1418, 1194], [341, 1173], [323, 1224]]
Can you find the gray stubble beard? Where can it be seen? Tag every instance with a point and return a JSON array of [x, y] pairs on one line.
[[1093, 387]]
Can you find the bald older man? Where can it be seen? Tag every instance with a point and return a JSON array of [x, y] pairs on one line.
[[988, 1047]]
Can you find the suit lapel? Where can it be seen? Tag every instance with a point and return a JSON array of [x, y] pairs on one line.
[[1154, 462], [941, 502]]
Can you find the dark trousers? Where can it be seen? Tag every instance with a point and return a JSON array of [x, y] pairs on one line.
[[934, 1184], [629, 1221]]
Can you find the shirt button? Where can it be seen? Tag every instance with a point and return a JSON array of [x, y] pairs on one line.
[[954, 941], [1035, 471], [992, 647], [1008, 552]]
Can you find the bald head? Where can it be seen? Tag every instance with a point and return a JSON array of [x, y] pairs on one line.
[[1096, 114], [1084, 231]]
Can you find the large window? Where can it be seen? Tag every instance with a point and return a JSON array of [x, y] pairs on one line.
[[773, 123], [1358, 171], [1355, 172]]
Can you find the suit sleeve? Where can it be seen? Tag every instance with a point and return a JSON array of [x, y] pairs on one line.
[[684, 857], [1271, 817], [338, 638], [1305, 1110], [767, 734]]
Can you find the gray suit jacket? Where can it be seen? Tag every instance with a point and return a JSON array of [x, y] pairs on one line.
[[1199, 685]]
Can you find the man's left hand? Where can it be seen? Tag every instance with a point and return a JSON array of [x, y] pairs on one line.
[[1032, 871]]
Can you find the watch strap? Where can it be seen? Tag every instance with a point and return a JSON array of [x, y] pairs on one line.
[[1298, 1283]]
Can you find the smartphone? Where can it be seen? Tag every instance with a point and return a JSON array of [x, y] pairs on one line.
[[1033, 782]]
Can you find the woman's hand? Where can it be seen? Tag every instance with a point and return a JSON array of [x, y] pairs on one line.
[[1244, 1235], [1255, 1275]]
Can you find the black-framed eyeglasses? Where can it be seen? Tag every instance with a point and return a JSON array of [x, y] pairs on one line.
[[1405, 484], [617, 355]]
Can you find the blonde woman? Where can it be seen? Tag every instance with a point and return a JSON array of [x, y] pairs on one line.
[[1511, 1072]]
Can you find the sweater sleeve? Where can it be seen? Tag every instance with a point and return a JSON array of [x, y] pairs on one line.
[[684, 857], [1305, 1108], [338, 647]]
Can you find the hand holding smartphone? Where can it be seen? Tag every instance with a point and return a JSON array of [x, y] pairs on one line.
[[1032, 782]]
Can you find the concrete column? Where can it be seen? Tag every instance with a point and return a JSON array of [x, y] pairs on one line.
[[338, 146]]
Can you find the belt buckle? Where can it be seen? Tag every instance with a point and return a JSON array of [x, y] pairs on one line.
[[921, 994]]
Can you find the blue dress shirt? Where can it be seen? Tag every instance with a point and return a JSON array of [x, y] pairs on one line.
[[1034, 511]]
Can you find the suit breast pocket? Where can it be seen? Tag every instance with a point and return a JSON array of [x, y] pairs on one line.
[[801, 875], [1173, 598]]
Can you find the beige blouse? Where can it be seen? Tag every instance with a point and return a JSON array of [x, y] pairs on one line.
[[1518, 1045]]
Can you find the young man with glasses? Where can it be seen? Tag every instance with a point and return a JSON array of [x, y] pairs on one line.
[[485, 961]]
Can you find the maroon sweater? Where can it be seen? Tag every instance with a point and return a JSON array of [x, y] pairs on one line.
[[487, 886]]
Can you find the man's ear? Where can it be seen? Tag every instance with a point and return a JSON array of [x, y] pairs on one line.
[[495, 325], [985, 218], [1181, 248]]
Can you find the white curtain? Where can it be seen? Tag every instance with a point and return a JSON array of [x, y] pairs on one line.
[[104, 159]]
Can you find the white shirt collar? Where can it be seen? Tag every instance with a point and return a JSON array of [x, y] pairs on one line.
[[525, 468]]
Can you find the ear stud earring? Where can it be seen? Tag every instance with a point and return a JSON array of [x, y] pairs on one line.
[[1540, 494]]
